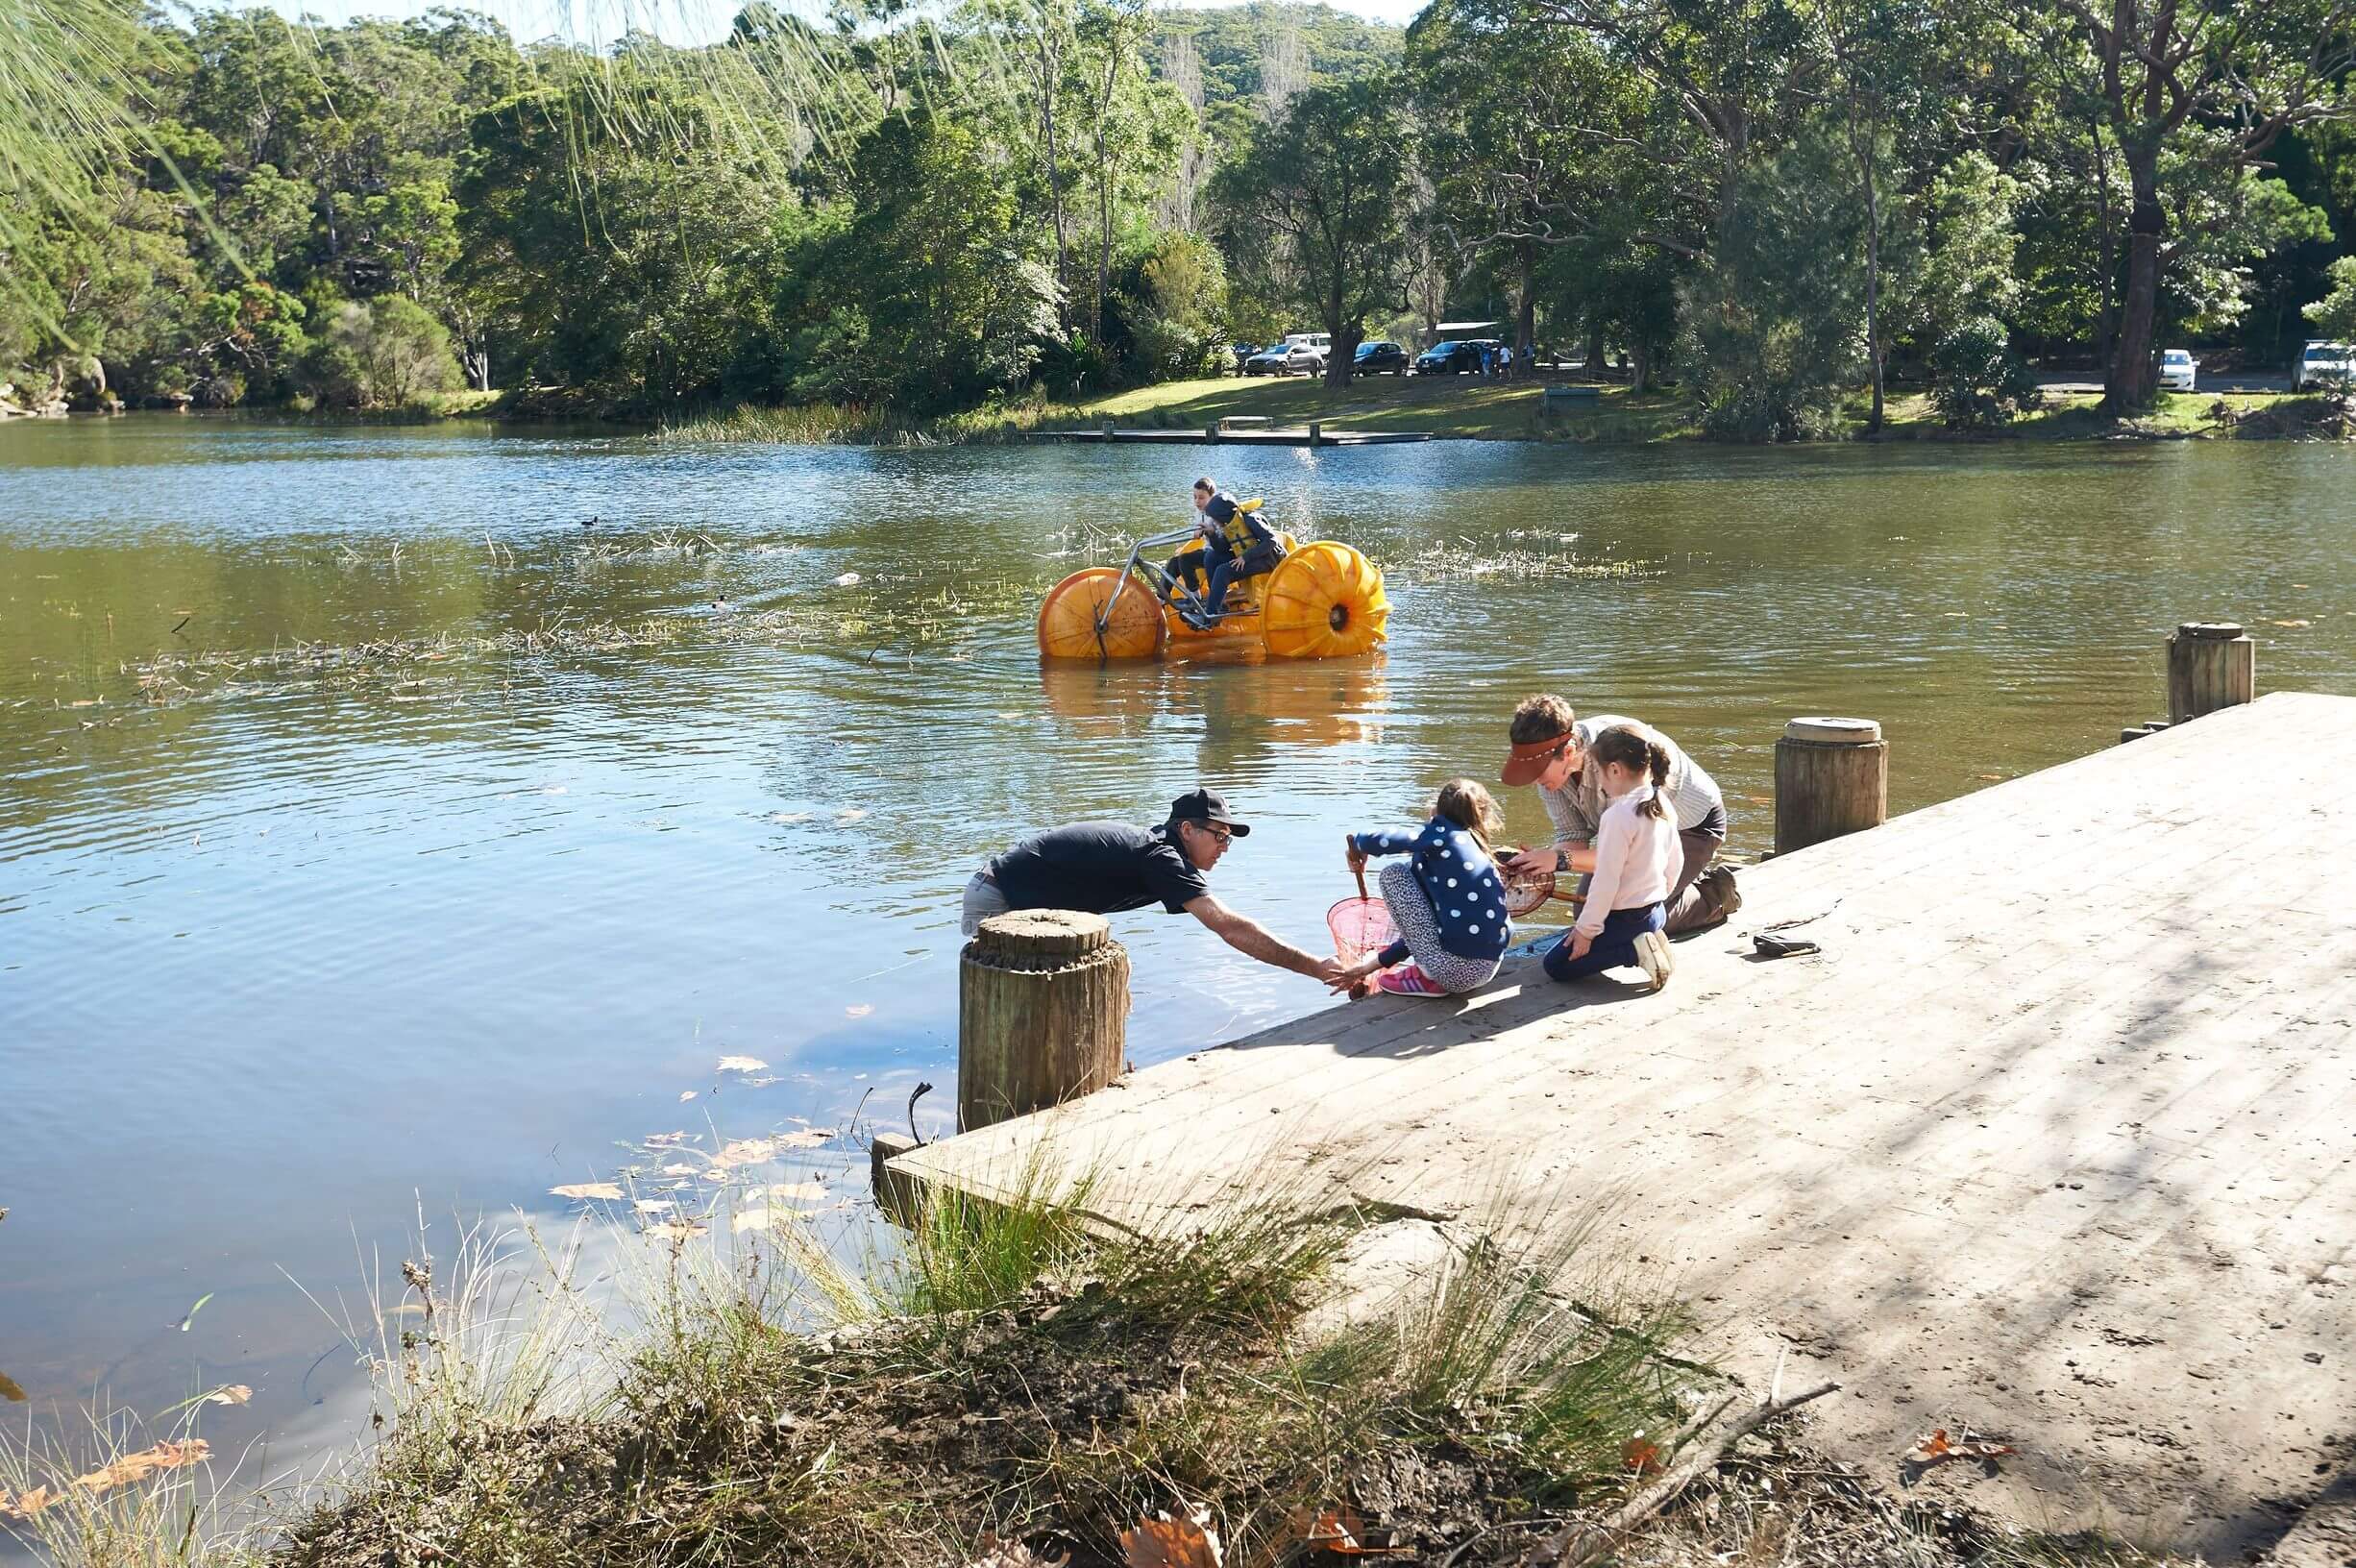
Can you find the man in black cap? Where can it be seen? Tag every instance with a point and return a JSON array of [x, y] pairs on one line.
[[1106, 867]]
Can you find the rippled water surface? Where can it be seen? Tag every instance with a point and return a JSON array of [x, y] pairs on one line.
[[378, 841]]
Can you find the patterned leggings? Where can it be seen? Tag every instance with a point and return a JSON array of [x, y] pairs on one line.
[[1418, 923]]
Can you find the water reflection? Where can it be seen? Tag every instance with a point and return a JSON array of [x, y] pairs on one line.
[[292, 947]]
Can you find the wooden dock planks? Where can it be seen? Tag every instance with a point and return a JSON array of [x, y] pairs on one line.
[[2057, 1136]]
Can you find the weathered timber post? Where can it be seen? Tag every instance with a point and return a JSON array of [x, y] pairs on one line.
[[1043, 1013], [1104, 431], [1832, 777], [1314, 428], [2211, 665], [1210, 432]]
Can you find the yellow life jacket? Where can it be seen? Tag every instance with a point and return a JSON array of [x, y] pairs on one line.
[[1241, 532]]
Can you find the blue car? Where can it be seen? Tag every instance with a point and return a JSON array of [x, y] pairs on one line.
[[1455, 356], [1378, 359]]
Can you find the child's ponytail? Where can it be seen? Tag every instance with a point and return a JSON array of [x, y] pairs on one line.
[[1464, 802], [1640, 749]]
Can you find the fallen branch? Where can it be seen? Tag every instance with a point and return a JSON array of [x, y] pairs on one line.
[[1577, 1545]]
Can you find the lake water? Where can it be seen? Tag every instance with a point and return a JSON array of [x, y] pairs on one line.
[[378, 841]]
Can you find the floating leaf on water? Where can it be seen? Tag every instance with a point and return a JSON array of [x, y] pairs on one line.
[[236, 1393], [794, 1192], [146, 1463], [741, 1064], [786, 819], [2289, 623], [856, 814], [11, 1389], [809, 1138], [606, 1190], [848, 579], [1164, 1542], [744, 1151], [654, 1206], [25, 1505], [686, 1095], [677, 1231], [753, 1219], [664, 1141], [683, 1170], [858, 1009]]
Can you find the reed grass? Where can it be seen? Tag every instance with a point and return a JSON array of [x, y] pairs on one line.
[[1018, 1370]]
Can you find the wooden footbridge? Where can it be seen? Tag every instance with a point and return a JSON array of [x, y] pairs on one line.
[[2055, 1139]]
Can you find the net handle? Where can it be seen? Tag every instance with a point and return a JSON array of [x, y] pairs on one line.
[[1357, 868]]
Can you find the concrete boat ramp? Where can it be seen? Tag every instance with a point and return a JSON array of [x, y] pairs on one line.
[[2055, 1138]]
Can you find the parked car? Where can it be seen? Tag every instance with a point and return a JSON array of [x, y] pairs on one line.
[[1378, 359], [1242, 353], [1453, 358], [2322, 361], [1286, 358], [2177, 370]]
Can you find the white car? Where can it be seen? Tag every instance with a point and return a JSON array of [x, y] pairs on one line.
[[2322, 361], [2177, 370]]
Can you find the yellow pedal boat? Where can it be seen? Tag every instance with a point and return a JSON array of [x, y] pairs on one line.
[[1323, 601]]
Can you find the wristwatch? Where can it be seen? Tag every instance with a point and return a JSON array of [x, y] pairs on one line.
[[1562, 860]]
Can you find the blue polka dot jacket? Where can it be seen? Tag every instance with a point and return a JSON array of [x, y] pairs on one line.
[[1469, 898]]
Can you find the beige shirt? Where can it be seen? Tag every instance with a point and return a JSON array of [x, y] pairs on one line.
[[1576, 808], [1636, 860]]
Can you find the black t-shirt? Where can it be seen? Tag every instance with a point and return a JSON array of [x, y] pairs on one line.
[[1099, 867]]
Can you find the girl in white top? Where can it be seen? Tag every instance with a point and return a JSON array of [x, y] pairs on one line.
[[1636, 859]]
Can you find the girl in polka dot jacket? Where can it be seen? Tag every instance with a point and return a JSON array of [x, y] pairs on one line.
[[1447, 901]]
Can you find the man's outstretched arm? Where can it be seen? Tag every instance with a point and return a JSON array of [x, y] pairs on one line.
[[1248, 937]]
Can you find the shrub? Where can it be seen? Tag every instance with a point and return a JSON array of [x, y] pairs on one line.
[[1978, 383]]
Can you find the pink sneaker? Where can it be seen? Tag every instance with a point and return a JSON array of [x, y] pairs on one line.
[[1408, 980]]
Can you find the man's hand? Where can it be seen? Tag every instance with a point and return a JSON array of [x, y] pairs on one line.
[[1332, 972], [1348, 979], [1531, 862]]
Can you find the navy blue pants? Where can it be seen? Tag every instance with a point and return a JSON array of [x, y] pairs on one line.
[[1254, 561], [1615, 945]]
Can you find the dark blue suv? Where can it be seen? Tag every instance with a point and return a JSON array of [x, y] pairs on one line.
[[1378, 359]]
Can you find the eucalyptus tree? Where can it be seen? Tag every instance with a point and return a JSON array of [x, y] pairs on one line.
[[1326, 188], [1523, 132], [2192, 94]]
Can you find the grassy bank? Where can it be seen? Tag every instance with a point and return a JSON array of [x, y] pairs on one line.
[[1467, 408], [1004, 1387]]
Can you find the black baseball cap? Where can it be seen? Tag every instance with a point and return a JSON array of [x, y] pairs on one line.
[[1206, 806]]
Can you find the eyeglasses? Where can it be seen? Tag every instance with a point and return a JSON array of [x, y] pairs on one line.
[[1219, 833]]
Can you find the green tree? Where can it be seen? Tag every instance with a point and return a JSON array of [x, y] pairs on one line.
[[1323, 189], [2191, 90], [1774, 316], [388, 354]]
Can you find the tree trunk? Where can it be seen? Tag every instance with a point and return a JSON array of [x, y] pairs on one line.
[[2133, 377], [1526, 312], [1873, 285], [1642, 380], [1342, 353], [1595, 343], [2106, 251], [1049, 68]]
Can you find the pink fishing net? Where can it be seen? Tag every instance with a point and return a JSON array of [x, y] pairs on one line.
[[1361, 926]]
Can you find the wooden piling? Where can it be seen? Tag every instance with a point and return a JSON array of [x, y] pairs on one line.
[[2211, 665], [1210, 432], [1043, 1013], [1832, 777], [1315, 428]]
